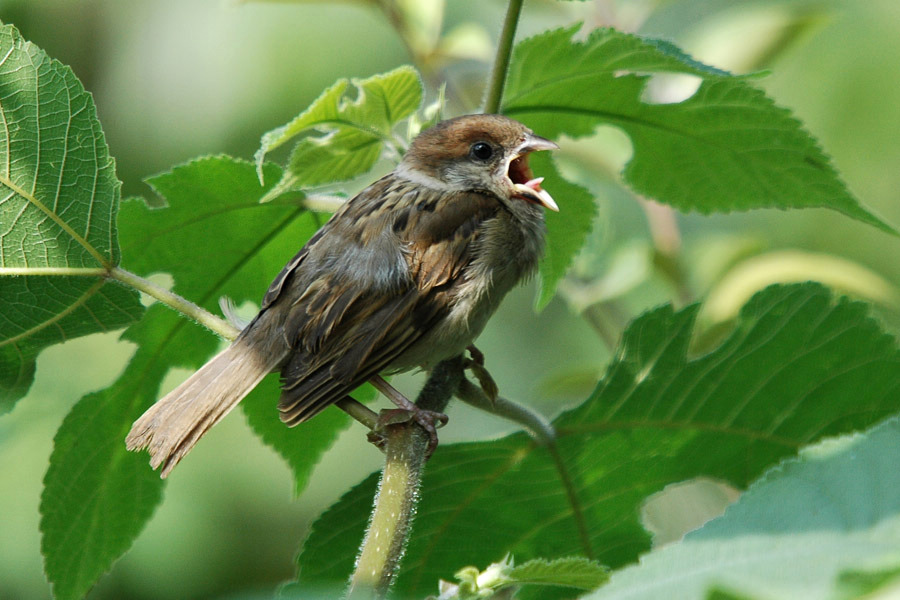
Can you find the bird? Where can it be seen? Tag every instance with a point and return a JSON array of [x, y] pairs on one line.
[[404, 275]]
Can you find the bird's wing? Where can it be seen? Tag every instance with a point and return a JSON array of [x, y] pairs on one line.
[[383, 273]]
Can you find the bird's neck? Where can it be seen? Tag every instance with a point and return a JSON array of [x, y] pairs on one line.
[[411, 174]]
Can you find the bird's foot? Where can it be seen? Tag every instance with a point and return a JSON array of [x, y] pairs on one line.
[[429, 420], [405, 412], [476, 365]]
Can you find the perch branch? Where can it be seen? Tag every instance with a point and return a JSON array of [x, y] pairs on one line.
[[398, 490]]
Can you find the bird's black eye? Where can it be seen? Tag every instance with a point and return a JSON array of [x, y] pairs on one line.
[[481, 150]]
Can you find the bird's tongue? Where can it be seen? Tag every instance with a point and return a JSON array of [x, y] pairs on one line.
[[534, 184], [528, 187]]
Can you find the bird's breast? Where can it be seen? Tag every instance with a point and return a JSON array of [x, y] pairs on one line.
[[504, 252]]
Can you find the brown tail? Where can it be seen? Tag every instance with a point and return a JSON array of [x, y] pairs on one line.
[[171, 427]]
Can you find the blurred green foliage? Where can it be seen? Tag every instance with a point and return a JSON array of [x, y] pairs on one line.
[[177, 78]]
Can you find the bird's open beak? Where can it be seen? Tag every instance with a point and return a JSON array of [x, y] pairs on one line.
[[525, 185]]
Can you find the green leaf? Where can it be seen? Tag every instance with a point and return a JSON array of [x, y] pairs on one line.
[[36, 312], [58, 209], [810, 528], [302, 448], [573, 571], [566, 230], [799, 365], [868, 582], [726, 148], [352, 132], [343, 155], [60, 187], [568, 572], [215, 239], [212, 228], [97, 497]]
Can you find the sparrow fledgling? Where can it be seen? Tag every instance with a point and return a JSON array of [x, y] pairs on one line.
[[404, 275]]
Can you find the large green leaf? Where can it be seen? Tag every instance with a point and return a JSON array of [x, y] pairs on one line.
[[728, 147], [343, 136], [36, 312], [794, 533], [97, 497], [799, 365], [237, 247], [566, 230], [58, 201], [214, 238]]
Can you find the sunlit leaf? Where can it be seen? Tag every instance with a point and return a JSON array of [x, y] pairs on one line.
[[345, 129], [726, 148], [800, 365], [215, 239], [796, 534], [573, 572], [58, 210]]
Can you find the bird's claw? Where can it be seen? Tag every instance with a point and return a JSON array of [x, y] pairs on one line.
[[429, 420], [476, 365], [477, 356]]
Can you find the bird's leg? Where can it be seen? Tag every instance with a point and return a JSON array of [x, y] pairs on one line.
[[476, 365], [429, 420]]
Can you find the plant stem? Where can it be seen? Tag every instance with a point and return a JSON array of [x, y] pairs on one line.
[[398, 490], [608, 320], [535, 423], [501, 62], [358, 411], [544, 432], [176, 302], [667, 246]]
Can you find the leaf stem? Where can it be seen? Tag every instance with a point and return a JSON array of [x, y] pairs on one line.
[[202, 316], [501, 62], [398, 491], [545, 433], [534, 422], [54, 271], [358, 411], [666, 238]]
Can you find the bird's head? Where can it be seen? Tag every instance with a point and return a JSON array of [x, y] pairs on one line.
[[486, 153]]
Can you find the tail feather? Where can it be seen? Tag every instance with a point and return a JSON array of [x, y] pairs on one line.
[[171, 427]]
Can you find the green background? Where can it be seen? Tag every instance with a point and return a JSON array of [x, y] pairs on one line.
[[176, 79]]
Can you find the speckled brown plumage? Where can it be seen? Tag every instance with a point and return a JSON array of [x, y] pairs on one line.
[[404, 275]]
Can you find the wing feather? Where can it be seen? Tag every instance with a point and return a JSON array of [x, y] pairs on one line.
[[378, 276]]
